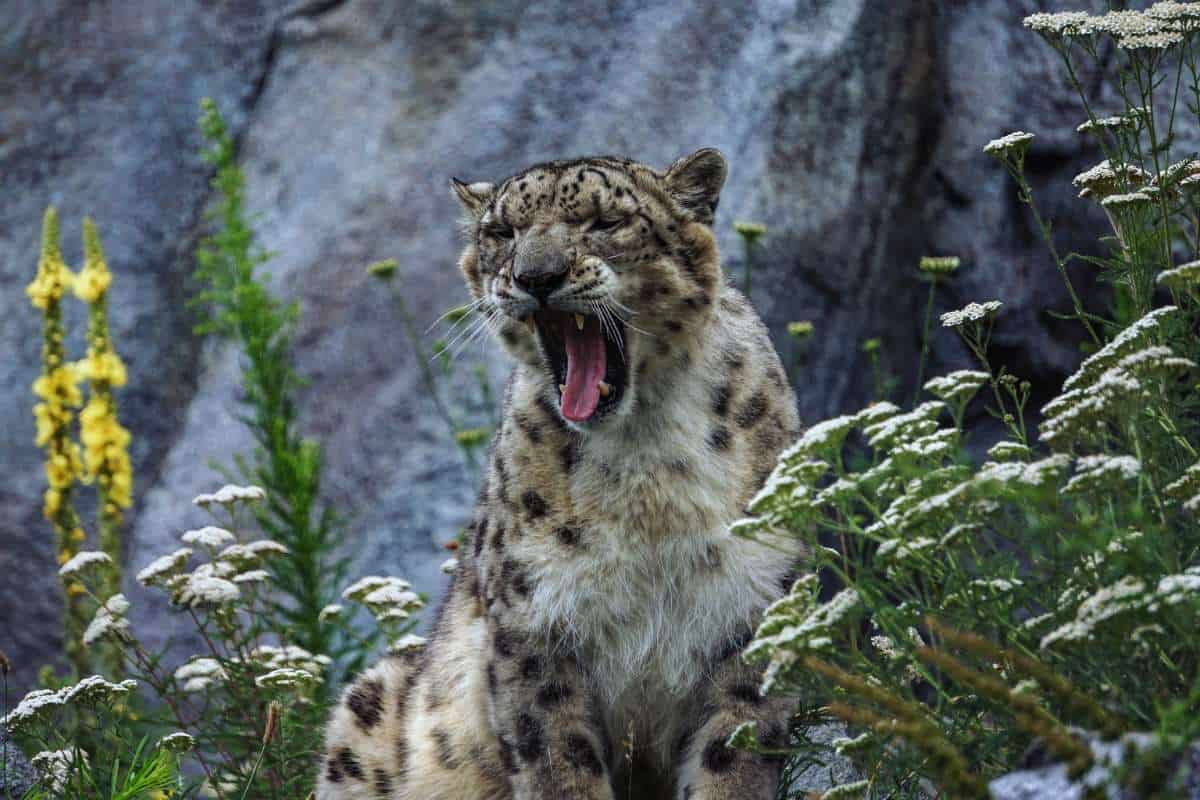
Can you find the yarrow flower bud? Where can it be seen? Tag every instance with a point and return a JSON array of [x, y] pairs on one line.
[[178, 742], [385, 269], [938, 265], [800, 330], [750, 231]]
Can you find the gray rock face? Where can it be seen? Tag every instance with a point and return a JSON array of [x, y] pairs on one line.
[[853, 130], [1052, 781], [833, 769], [16, 773]]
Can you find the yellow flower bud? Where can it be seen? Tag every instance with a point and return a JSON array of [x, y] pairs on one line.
[[51, 503]]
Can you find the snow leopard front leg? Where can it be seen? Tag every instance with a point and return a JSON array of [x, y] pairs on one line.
[[707, 768], [543, 716]]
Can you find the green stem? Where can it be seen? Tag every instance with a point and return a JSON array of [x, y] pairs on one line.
[[925, 340]]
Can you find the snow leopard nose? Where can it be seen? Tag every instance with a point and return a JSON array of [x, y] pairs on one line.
[[542, 260]]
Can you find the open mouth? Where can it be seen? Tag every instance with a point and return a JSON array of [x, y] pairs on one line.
[[586, 360]]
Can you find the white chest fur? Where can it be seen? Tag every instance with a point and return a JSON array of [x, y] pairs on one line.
[[658, 583]]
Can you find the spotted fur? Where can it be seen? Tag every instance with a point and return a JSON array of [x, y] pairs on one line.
[[588, 646]]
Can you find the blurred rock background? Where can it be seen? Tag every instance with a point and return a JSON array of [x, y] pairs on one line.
[[853, 129]]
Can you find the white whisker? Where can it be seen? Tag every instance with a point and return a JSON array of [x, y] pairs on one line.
[[468, 308], [625, 321], [486, 326], [621, 306], [469, 333]]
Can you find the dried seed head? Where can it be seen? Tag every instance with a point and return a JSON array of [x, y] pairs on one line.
[[272, 726]]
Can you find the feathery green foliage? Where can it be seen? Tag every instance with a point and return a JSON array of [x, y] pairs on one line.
[[237, 304]]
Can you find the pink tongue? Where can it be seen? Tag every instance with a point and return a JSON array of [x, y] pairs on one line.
[[585, 369]]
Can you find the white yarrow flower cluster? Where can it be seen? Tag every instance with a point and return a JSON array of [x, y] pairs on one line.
[[939, 444], [959, 385], [901, 428], [1127, 200], [205, 589], [1123, 24], [162, 569], [1038, 474], [83, 562], [1062, 23], [387, 598], [824, 437], [1008, 451], [1185, 276], [408, 643], [895, 554], [38, 704], [200, 673], [971, 312], [1109, 123], [1099, 472], [285, 678], [1175, 589], [1124, 595], [229, 495], [209, 536], [290, 655], [109, 621], [54, 767], [997, 585], [1104, 178], [795, 625], [1016, 143], [1101, 383], [1186, 488], [1161, 40]]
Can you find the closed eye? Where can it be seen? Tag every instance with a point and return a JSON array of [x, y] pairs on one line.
[[500, 231], [608, 224]]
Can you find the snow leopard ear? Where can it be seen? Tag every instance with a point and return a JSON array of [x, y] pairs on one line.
[[474, 197], [695, 182]]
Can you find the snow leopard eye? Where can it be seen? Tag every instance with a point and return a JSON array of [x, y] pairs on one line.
[[604, 225], [500, 231]]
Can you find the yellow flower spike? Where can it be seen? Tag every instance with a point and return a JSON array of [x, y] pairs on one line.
[[94, 279], [53, 276]]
